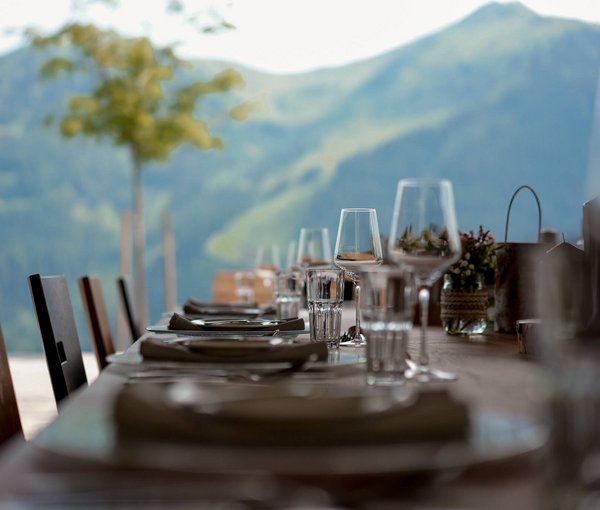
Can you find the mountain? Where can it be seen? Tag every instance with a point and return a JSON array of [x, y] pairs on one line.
[[503, 98]]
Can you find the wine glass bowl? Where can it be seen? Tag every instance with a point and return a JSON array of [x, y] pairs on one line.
[[424, 239], [424, 232], [314, 248], [357, 245], [267, 263]]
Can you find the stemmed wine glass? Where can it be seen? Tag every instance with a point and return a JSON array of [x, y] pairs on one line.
[[424, 239], [267, 263], [357, 245], [292, 255], [314, 248]]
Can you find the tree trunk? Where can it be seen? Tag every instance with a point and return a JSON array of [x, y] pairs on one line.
[[170, 278], [141, 303]]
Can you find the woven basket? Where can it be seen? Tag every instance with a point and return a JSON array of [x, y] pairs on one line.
[[464, 304]]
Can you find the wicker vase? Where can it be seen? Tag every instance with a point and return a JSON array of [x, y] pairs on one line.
[[464, 311]]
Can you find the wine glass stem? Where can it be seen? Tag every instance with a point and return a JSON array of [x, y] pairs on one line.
[[424, 305], [357, 304]]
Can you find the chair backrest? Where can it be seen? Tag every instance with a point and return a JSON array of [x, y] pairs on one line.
[[96, 316], [10, 421], [126, 299], [56, 321]]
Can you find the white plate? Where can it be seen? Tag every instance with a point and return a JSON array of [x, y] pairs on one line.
[[163, 328], [135, 358], [233, 310], [493, 437]]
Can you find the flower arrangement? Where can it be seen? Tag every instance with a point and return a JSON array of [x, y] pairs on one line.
[[428, 241], [478, 260]]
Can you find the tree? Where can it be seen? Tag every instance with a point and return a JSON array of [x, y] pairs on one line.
[[131, 105]]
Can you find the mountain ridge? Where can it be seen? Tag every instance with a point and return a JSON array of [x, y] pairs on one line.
[[516, 11]]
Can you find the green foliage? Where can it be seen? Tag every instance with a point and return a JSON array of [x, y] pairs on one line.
[[477, 264], [429, 241], [130, 104]]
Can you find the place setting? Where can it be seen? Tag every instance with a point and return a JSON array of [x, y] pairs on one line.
[[317, 431], [195, 308], [181, 325], [190, 354]]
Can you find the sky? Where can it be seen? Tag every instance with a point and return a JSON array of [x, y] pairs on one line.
[[281, 36]]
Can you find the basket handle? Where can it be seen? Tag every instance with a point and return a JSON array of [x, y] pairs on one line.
[[539, 207]]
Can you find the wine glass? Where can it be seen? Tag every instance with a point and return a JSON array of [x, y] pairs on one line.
[[267, 263], [357, 245], [314, 248], [292, 255], [424, 239]]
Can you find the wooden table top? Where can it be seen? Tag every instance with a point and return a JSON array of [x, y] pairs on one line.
[[492, 376]]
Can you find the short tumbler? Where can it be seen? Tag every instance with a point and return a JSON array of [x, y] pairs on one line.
[[387, 309], [288, 292], [325, 296]]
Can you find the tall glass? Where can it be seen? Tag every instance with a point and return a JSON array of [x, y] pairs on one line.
[[357, 246], [288, 291], [387, 308], [424, 239], [325, 293]]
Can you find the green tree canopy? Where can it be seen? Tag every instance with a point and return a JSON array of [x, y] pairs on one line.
[[130, 104]]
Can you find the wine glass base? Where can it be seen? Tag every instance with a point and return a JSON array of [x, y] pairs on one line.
[[353, 343], [426, 374], [350, 339]]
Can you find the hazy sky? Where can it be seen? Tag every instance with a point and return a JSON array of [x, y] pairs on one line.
[[282, 35]]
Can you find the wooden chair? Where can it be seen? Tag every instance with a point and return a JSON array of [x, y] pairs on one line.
[[96, 316], [10, 421], [126, 299], [56, 321]]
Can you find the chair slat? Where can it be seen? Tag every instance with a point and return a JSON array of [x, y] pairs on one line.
[[60, 340], [126, 300], [96, 316], [10, 420]]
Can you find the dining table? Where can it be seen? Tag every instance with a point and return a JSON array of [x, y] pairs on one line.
[[76, 462]]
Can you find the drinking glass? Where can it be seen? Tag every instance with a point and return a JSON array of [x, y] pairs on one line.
[[325, 294], [424, 239], [387, 309], [358, 245], [288, 291], [314, 248]]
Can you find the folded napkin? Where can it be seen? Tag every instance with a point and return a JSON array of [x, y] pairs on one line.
[[221, 350], [180, 323], [194, 307], [153, 412]]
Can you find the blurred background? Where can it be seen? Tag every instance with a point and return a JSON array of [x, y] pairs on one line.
[[344, 98]]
